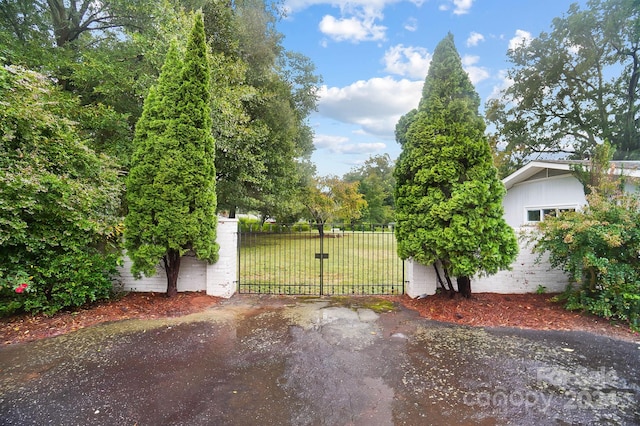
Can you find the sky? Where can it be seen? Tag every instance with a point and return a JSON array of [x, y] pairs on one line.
[[373, 56]]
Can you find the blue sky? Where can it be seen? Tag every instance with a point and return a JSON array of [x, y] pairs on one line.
[[373, 56]]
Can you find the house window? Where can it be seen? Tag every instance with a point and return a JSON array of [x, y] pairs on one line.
[[533, 215], [538, 214]]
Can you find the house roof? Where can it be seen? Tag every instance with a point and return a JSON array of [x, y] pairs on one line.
[[629, 168]]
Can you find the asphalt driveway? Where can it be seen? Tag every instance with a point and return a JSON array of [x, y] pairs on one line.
[[288, 361]]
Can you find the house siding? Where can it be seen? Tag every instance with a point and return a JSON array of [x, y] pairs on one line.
[[558, 191]]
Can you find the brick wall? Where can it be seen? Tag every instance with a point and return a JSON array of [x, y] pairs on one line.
[[525, 276], [218, 279]]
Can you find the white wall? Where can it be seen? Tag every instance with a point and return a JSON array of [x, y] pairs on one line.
[[218, 279], [525, 276], [222, 276], [559, 191]]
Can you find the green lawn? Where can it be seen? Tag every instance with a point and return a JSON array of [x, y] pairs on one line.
[[357, 263]]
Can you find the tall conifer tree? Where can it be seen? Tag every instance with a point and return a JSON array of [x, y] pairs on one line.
[[171, 187], [448, 197]]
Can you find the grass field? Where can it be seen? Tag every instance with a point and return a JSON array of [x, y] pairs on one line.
[[286, 263]]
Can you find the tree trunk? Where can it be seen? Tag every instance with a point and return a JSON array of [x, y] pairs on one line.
[[172, 268], [449, 288], [464, 286]]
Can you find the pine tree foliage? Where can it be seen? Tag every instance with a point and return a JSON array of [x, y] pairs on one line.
[[171, 187], [448, 196]]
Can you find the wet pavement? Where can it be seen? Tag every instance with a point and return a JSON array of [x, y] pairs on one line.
[[301, 361]]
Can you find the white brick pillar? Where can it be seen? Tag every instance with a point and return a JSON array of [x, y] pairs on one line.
[[420, 279], [221, 277]]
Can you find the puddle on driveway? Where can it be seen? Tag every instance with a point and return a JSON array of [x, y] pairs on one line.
[[295, 361]]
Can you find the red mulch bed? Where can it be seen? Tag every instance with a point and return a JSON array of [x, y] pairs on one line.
[[532, 311], [24, 328]]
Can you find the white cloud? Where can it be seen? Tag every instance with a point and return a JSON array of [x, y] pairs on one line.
[[411, 25], [375, 105], [342, 145], [461, 7], [521, 38], [469, 60], [412, 62], [574, 49], [292, 6], [358, 20], [363, 148], [474, 39], [476, 73], [504, 84], [328, 142], [354, 29]]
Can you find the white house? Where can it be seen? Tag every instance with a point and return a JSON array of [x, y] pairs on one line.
[[538, 189], [547, 187]]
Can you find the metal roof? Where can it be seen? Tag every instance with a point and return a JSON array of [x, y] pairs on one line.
[[629, 168]]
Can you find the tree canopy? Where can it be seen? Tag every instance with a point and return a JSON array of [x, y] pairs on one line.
[[106, 53], [331, 198], [575, 86], [263, 95], [104, 58], [448, 196], [171, 186], [376, 183], [110, 53]]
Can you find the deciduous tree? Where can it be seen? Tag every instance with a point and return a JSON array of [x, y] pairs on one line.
[[330, 197], [448, 197], [575, 86], [376, 183], [106, 53], [269, 92]]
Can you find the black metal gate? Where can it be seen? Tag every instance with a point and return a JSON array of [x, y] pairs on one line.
[[305, 259]]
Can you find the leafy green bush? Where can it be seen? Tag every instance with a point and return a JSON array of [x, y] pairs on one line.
[[302, 227], [248, 224], [14, 290], [73, 280], [271, 227], [59, 202], [598, 247]]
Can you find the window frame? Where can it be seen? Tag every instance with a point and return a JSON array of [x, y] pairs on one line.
[[545, 210]]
